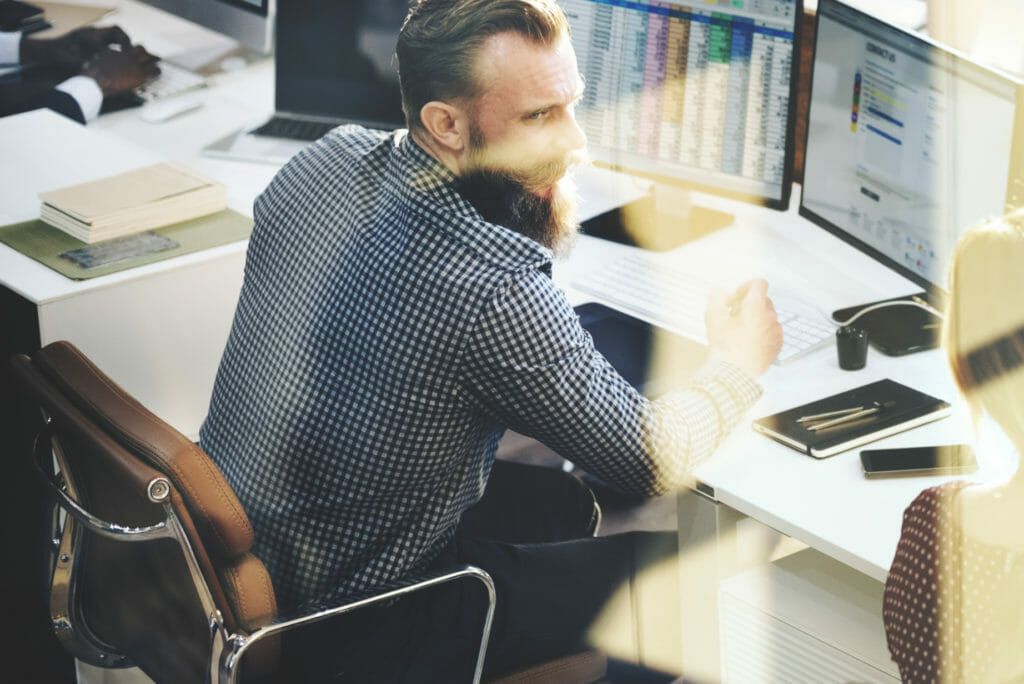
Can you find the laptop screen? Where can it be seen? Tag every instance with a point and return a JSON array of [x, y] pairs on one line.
[[335, 59]]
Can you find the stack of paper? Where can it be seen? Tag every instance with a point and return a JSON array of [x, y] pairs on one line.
[[132, 202]]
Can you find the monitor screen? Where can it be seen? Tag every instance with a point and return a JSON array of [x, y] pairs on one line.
[[908, 143], [691, 92], [250, 22], [337, 60]]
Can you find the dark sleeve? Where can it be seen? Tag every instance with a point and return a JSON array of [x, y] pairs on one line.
[[37, 91], [58, 101]]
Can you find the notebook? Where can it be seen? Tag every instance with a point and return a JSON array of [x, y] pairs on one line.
[[333, 64], [869, 412], [131, 202]]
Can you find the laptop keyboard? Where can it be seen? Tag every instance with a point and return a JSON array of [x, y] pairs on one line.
[[173, 80], [279, 127]]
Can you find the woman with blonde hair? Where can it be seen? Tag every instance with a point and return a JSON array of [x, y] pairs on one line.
[[954, 598]]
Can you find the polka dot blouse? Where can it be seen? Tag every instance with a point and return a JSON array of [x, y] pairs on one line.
[[953, 606]]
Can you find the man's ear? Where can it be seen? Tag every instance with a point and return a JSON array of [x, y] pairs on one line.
[[447, 124]]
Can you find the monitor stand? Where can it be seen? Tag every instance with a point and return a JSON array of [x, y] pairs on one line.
[[899, 329], [662, 220]]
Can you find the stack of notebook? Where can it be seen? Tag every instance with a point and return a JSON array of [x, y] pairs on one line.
[[132, 202]]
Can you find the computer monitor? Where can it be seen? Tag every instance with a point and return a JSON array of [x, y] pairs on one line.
[[909, 144], [337, 60], [691, 93], [248, 22]]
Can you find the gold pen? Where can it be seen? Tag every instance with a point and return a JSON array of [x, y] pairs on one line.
[[829, 414], [833, 418]]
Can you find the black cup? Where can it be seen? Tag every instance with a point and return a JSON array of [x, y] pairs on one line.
[[851, 347]]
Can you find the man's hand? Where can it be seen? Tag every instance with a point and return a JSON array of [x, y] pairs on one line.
[[73, 49], [118, 71], [743, 328], [104, 54]]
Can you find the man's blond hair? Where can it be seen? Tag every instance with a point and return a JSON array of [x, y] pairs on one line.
[[983, 334]]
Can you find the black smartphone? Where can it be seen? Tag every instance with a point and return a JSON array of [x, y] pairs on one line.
[[947, 459]]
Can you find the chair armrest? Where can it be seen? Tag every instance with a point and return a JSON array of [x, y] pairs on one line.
[[377, 595], [157, 491]]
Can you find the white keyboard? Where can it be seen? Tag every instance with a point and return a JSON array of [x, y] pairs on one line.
[[173, 80], [673, 299]]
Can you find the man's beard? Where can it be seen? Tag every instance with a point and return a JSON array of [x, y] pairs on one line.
[[509, 197]]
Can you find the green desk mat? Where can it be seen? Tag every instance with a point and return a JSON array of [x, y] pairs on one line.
[[45, 244]]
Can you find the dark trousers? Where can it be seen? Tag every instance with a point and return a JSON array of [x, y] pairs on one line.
[[532, 533]]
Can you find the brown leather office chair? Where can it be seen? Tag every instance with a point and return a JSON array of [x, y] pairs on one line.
[[152, 562]]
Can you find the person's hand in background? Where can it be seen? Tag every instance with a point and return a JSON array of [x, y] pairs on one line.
[[117, 71], [72, 49]]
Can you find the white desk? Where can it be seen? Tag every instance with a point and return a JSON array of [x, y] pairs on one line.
[[159, 329], [825, 504]]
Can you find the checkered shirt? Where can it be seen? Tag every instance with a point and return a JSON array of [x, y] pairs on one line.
[[385, 337]]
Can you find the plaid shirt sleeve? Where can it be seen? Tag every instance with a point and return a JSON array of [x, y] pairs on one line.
[[535, 368]]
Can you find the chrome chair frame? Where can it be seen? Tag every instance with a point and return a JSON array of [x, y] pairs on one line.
[[198, 600], [226, 649]]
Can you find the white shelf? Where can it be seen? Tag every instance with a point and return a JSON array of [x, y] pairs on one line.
[[803, 618]]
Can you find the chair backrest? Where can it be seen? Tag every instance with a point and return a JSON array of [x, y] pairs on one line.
[[160, 602]]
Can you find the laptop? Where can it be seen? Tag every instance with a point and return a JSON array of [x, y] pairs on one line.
[[333, 64]]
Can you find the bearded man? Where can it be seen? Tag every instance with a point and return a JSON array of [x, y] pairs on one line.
[[398, 316]]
